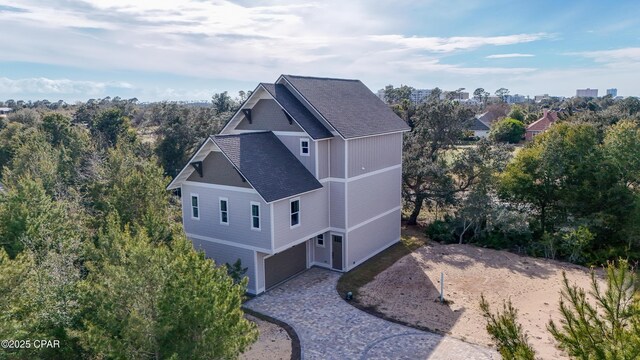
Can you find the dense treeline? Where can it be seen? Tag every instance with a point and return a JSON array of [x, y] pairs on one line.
[[572, 193], [92, 251]]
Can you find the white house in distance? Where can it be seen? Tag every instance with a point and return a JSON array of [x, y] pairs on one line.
[[308, 172]]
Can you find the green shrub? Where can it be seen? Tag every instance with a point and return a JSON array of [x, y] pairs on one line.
[[507, 130], [441, 231]]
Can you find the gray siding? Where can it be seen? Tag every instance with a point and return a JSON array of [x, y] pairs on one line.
[[267, 115], [293, 144], [323, 159], [374, 153], [216, 169], [337, 159], [373, 195], [223, 254], [322, 254], [337, 206], [313, 217], [239, 228], [372, 237]]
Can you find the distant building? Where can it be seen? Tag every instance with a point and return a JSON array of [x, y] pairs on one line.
[[380, 94], [515, 99], [541, 125], [613, 92], [479, 127], [418, 95], [587, 92], [4, 111]]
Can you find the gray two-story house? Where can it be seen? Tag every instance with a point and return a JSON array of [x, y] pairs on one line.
[[307, 172]]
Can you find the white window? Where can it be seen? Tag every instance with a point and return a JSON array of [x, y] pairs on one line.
[[295, 212], [320, 240], [255, 216], [224, 211], [304, 147], [195, 207]]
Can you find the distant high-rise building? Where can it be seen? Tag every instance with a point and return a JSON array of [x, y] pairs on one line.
[[587, 92], [613, 92], [418, 95]]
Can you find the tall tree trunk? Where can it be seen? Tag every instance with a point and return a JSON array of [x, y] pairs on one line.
[[417, 207]]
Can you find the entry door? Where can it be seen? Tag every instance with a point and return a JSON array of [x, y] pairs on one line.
[[336, 251]]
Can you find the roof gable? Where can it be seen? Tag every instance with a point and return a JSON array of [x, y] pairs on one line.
[[266, 163], [544, 122], [347, 105]]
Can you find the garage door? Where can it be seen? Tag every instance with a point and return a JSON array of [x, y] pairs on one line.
[[284, 265]]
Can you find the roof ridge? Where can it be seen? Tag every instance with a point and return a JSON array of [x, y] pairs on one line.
[[246, 133], [320, 77]]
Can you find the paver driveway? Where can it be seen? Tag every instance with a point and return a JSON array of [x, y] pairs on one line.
[[329, 328]]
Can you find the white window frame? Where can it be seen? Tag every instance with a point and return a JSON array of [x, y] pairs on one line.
[[291, 213], [191, 207], [308, 147], [226, 200], [251, 216], [318, 238]]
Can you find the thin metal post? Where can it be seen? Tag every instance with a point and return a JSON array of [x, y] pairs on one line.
[[442, 287]]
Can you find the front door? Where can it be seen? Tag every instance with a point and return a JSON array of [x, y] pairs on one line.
[[336, 251]]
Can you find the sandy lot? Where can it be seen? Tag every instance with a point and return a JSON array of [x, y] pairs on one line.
[[407, 291], [273, 342]]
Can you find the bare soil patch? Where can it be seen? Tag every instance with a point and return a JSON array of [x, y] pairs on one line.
[[407, 291], [273, 342]]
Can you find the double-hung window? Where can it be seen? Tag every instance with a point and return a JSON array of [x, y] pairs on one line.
[[195, 206], [295, 212], [304, 147], [320, 240], [224, 211], [255, 216]]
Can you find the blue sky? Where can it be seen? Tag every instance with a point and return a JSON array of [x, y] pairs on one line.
[[189, 49]]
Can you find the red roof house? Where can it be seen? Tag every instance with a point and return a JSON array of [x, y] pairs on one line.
[[541, 125]]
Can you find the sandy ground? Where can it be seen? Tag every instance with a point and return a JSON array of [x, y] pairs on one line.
[[407, 291], [273, 342]]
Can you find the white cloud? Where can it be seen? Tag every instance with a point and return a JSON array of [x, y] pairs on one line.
[[47, 86], [450, 44], [623, 55], [224, 40], [507, 56]]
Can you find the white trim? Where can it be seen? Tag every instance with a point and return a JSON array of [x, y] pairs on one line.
[[299, 241], [380, 134], [324, 244], [225, 242], [296, 195], [255, 269], [345, 246], [316, 147], [304, 139], [226, 200], [171, 184], [354, 227], [376, 172], [252, 204], [299, 213], [341, 230], [220, 187], [291, 133], [362, 176], [372, 254], [191, 207], [271, 221]]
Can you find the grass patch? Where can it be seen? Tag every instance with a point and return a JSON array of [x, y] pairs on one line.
[[365, 272]]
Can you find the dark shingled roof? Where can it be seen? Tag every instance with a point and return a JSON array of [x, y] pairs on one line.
[[300, 114], [478, 125], [267, 164], [348, 105]]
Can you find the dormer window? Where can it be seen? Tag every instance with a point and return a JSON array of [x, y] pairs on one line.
[[304, 147]]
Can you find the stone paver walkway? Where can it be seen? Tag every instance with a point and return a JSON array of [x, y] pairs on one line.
[[330, 328]]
